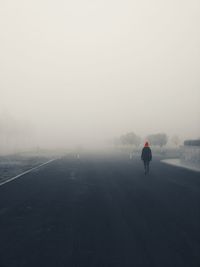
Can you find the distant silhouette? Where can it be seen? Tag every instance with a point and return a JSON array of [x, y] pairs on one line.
[[146, 157]]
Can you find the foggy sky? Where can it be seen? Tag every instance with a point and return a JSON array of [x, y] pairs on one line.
[[91, 70]]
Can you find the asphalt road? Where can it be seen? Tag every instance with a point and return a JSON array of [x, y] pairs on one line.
[[101, 211]]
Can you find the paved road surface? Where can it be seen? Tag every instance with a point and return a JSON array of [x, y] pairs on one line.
[[101, 211]]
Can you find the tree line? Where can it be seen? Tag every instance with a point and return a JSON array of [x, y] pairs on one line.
[[158, 139]]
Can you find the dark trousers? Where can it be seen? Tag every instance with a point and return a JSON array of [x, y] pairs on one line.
[[146, 166]]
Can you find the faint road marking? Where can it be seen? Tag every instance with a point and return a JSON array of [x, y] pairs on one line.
[[26, 172], [72, 174]]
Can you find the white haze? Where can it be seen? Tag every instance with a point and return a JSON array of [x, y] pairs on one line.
[[79, 72]]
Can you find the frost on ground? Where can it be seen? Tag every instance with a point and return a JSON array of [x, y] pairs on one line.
[[180, 163], [13, 165], [190, 155]]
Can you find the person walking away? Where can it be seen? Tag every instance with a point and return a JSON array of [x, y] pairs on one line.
[[146, 157]]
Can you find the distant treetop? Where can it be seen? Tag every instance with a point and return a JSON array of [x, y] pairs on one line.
[[159, 139]]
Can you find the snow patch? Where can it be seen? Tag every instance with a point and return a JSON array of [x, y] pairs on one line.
[[180, 163]]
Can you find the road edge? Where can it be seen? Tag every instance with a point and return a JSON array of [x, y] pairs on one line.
[[177, 163], [26, 172]]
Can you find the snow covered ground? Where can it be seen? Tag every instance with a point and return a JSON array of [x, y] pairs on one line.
[[190, 155], [180, 163]]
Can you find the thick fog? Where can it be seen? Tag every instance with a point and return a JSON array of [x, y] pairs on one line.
[[81, 72]]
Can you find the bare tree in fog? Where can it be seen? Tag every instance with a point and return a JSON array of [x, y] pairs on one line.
[[130, 139], [175, 140], [159, 139]]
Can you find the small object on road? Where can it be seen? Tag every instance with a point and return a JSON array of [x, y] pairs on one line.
[[146, 157]]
